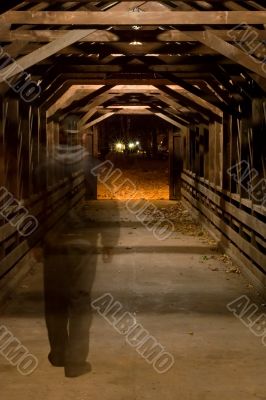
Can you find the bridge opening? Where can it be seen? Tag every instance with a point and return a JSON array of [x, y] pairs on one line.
[[137, 145]]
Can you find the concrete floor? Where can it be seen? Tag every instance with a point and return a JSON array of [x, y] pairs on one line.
[[178, 293]]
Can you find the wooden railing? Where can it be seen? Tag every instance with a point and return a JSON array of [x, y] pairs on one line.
[[239, 223], [48, 207]]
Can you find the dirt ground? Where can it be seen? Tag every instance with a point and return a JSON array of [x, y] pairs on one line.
[[149, 176]]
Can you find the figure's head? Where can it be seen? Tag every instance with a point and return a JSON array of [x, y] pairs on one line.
[[69, 131]]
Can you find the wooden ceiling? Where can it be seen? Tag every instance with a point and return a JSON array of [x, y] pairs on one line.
[[196, 58]]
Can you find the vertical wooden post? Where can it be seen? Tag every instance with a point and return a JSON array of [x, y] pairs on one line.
[[36, 150], [212, 152], [201, 151], [11, 145], [219, 154], [193, 148], [258, 144], [186, 149], [206, 153], [25, 150], [175, 164], [233, 153], [226, 150], [245, 153], [197, 151], [2, 152]]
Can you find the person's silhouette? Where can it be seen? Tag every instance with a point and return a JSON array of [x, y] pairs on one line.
[[70, 258], [69, 271]]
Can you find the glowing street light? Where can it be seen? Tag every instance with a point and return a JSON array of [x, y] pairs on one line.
[[120, 147], [135, 43]]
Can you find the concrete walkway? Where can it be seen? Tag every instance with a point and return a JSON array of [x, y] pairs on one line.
[[178, 290]]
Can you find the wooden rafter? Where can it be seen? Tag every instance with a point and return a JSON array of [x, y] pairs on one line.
[[44, 36], [96, 121], [94, 105], [41, 54], [169, 119], [232, 52], [78, 104], [190, 103], [180, 36], [133, 18]]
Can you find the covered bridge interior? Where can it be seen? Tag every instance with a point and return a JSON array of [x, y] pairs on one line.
[[176, 88]]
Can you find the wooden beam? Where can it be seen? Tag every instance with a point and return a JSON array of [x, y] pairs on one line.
[[123, 1], [168, 119], [134, 112], [233, 53], [59, 84], [112, 68], [45, 36], [189, 103], [126, 49], [169, 101], [83, 102], [11, 50], [233, 6], [169, 114], [67, 96], [178, 36], [94, 106], [260, 81], [97, 120], [40, 54], [14, 49], [133, 18], [88, 115], [211, 100]]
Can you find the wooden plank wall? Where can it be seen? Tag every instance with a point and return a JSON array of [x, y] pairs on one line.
[[25, 140], [233, 213]]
